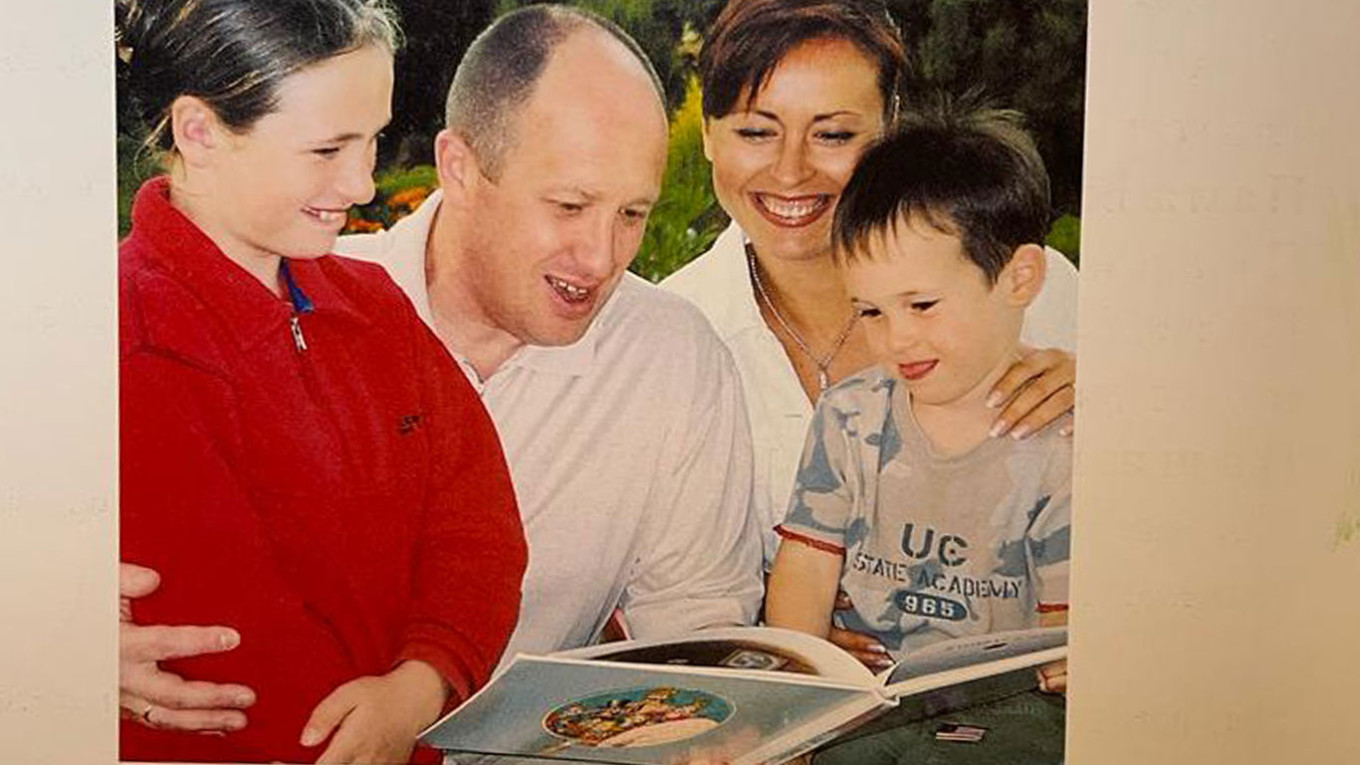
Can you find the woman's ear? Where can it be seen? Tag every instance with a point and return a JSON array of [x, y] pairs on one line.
[[1023, 277], [196, 129]]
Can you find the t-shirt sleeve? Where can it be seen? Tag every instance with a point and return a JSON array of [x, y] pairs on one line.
[[823, 498], [1048, 543]]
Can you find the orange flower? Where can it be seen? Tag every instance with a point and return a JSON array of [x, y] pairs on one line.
[[409, 197], [362, 226]]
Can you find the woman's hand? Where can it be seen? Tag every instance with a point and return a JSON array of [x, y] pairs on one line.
[[866, 648], [159, 699], [377, 719], [1039, 389], [1053, 677]]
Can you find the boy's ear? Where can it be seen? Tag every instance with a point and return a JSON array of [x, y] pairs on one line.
[[456, 164], [1023, 277], [196, 129], [703, 134]]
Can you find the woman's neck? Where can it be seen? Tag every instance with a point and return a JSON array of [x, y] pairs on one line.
[[809, 294]]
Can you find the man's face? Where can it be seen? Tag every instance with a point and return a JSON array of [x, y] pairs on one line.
[[547, 241]]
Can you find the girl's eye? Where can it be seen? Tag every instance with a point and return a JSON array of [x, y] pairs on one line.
[[328, 151]]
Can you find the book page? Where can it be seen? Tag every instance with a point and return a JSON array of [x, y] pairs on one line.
[[739, 648]]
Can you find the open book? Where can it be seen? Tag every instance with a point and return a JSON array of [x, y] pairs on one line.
[[742, 695]]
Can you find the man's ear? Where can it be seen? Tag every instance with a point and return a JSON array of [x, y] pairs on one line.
[[1023, 277], [196, 129], [456, 165]]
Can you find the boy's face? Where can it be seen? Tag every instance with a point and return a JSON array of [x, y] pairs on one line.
[[932, 319]]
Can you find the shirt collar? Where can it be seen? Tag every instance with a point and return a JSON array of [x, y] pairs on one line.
[[731, 280]]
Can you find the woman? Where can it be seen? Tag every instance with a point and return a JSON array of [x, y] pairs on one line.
[[793, 92], [298, 451]]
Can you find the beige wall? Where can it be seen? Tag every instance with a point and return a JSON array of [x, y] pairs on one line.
[[1219, 436], [1216, 615]]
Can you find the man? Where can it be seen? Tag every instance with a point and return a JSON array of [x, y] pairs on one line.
[[618, 408]]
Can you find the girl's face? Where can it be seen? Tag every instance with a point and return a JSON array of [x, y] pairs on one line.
[[781, 160], [284, 187]]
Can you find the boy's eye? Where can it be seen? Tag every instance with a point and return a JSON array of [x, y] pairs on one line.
[[921, 306]]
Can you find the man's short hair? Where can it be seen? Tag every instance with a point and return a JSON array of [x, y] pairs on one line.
[[500, 68], [973, 173]]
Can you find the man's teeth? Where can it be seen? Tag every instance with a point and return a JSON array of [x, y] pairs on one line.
[[792, 209], [569, 290]]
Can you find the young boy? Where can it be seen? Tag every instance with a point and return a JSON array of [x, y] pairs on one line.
[[933, 528]]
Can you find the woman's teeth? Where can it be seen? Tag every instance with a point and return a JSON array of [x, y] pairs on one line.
[[797, 208]]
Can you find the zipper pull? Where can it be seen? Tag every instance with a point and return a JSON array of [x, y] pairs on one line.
[[298, 339]]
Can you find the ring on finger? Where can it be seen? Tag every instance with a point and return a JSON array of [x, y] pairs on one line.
[[146, 715]]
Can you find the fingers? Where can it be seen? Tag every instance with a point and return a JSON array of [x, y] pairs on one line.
[[843, 602], [189, 720], [138, 643], [1053, 677], [869, 651], [325, 717], [1039, 388], [170, 691], [136, 581]]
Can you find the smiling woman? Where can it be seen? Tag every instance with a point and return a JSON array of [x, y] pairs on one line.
[[291, 433]]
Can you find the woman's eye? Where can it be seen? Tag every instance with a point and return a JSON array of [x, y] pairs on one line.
[[754, 133], [866, 312], [836, 136]]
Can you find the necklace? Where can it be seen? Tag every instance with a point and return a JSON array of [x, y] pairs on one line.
[[823, 363]]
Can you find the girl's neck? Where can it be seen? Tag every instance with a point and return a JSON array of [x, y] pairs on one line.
[[197, 206]]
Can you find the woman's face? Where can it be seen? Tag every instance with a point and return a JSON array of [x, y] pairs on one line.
[[284, 187], [779, 166]]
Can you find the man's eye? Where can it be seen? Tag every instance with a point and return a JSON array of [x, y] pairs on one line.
[[634, 217], [570, 207]]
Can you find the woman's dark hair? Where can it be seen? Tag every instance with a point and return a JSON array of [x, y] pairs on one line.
[[963, 170], [233, 54], [750, 38]]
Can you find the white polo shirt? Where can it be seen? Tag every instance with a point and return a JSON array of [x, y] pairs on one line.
[[631, 460], [719, 283]]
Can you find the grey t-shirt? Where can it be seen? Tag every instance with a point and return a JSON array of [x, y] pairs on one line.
[[935, 547]]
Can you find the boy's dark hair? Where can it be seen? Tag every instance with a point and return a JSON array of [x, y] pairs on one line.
[[498, 73], [750, 37], [233, 54], [973, 173]]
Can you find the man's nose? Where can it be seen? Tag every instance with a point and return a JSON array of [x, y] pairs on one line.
[[597, 247]]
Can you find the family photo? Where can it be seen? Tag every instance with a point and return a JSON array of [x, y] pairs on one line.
[[455, 332]]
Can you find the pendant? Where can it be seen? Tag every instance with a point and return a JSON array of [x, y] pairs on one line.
[[823, 380]]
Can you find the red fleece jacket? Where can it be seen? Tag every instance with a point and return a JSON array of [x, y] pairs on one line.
[[344, 505]]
